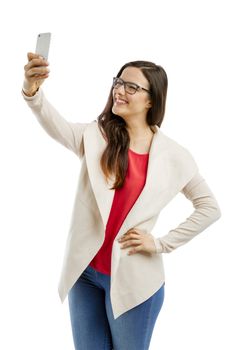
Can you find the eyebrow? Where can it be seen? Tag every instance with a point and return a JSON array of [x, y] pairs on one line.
[[131, 82]]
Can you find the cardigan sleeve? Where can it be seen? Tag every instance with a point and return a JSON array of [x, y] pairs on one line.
[[69, 134], [206, 212]]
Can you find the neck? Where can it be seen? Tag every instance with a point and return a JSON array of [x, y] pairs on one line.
[[140, 133]]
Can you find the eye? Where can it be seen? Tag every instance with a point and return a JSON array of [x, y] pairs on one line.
[[131, 87]]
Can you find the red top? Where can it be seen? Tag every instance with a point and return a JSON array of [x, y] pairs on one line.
[[124, 199]]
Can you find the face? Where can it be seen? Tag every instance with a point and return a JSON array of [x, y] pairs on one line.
[[132, 106]]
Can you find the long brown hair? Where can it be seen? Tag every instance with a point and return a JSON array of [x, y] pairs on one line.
[[114, 160]]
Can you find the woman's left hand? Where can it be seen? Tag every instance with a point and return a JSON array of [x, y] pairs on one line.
[[138, 240]]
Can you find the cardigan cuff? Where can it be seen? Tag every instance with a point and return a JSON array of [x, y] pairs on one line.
[[29, 97], [35, 100], [158, 246]]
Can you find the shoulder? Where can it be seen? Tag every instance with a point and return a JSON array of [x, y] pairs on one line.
[[92, 125], [172, 144], [94, 129], [176, 152]]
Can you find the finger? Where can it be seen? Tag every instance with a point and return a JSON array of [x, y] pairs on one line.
[[135, 250], [31, 56], [37, 71], [131, 236], [133, 230], [130, 243], [37, 62], [40, 77]]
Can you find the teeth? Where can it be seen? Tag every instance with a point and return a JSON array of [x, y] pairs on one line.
[[120, 101]]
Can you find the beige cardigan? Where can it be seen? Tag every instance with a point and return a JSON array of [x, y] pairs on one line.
[[171, 169]]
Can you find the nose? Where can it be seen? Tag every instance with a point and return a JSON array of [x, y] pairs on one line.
[[121, 89]]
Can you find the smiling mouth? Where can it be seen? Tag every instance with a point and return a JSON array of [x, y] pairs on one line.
[[120, 101]]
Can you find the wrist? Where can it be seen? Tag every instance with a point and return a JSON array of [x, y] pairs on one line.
[[29, 89], [29, 93]]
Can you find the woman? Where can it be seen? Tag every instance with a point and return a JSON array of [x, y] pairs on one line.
[[113, 269]]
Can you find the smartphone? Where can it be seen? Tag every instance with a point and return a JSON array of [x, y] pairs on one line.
[[42, 44]]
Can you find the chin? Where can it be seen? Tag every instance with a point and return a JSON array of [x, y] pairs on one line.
[[118, 112]]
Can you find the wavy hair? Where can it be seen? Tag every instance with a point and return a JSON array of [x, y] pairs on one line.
[[114, 160]]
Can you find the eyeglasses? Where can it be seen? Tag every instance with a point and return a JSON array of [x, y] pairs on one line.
[[130, 88]]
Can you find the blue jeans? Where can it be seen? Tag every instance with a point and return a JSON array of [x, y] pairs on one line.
[[92, 321]]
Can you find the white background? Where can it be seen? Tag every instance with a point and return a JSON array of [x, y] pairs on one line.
[[91, 40]]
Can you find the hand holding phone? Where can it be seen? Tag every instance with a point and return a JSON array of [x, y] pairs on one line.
[[36, 70]]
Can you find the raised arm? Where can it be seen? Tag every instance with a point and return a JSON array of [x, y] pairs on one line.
[[69, 134]]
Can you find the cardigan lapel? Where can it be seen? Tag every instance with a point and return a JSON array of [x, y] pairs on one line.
[[94, 145]]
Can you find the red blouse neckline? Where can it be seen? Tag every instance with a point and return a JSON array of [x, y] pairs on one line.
[[139, 154]]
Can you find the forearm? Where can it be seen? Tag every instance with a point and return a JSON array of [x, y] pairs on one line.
[[67, 133], [206, 212]]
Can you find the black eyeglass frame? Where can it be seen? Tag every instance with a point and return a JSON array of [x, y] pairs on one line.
[[137, 87]]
